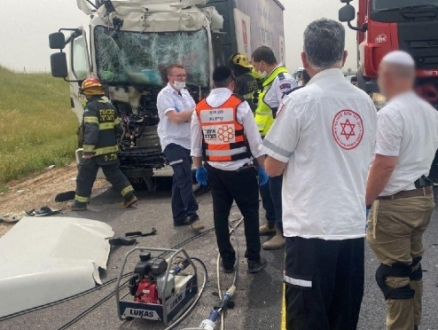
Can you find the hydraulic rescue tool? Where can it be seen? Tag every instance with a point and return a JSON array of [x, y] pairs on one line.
[[162, 289]]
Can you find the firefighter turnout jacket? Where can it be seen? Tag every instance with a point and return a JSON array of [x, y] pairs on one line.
[[224, 136], [247, 86], [264, 115], [100, 126]]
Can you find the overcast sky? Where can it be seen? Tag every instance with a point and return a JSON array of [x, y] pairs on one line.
[[27, 24]]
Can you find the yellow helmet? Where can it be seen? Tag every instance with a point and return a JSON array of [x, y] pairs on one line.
[[241, 60]]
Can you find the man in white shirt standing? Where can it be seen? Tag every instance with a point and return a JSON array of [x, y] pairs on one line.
[[175, 108], [277, 82], [399, 193], [225, 133], [322, 140]]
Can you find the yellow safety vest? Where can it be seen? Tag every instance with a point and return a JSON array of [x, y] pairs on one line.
[[263, 113]]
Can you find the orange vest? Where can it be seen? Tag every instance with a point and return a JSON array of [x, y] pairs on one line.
[[224, 138]]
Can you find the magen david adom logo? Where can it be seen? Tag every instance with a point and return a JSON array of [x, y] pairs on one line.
[[226, 134], [347, 129]]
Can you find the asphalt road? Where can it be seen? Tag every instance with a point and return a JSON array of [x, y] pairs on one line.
[[258, 297]]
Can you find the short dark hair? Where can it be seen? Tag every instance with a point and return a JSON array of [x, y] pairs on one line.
[[324, 43], [265, 54], [222, 76], [173, 66]]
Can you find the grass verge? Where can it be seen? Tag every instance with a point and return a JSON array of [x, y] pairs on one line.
[[37, 128]]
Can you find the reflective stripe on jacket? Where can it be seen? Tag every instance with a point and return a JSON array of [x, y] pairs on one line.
[[263, 115]]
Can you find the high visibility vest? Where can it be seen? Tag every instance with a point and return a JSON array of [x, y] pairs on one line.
[[263, 114], [224, 138]]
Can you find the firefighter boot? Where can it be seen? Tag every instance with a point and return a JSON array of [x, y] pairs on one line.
[[266, 229], [129, 199], [77, 206], [275, 243]]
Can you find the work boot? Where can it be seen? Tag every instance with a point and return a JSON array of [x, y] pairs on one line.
[[275, 243], [266, 230], [129, 199], [254, 266], [195, 223], [77, 206]]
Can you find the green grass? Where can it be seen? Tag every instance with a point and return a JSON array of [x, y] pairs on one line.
[[37, 127]]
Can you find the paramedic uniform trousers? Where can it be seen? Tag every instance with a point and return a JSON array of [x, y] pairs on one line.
[[324, 283], [271, 200], [242, 187], [184, 203]]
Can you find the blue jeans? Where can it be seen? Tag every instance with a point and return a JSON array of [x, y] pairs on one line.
[[184, 203], [271, 200]]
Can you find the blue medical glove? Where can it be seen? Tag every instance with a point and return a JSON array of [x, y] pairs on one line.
[[367, 212], [263, 177], [201, 175]]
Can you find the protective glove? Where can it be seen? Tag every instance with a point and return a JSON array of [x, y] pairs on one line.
[[201, 175], [367, 212], [263, 177]]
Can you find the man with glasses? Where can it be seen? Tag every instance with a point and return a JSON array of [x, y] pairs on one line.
[[175, 108]]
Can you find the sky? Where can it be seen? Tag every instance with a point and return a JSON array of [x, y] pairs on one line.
[[27, 24]]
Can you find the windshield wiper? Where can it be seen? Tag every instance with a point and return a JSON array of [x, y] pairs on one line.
[[404, 9]]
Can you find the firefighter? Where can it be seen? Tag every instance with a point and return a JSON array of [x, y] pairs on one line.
[[247, 85], [223, 130], [100, 127], [277, 82]]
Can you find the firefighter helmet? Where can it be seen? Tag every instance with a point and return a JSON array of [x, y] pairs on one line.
[[92, 86], [241, 60]]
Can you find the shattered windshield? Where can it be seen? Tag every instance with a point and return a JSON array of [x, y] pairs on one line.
[[389, 4], [134, 58]]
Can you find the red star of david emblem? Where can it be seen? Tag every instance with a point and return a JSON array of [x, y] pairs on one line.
[[347, 129]]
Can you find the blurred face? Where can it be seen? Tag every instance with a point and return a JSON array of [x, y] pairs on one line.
[[260, 67], [177, 78]]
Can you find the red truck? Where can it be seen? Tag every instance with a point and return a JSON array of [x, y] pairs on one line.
[[386, 25]]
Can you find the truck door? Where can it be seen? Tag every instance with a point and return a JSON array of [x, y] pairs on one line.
[[80, 68]]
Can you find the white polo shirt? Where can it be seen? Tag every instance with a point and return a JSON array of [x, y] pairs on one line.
[[325, 132], [407, 127], [281, 85], [169, 132], [245, 117]]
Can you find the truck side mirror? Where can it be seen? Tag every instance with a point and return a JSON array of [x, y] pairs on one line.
[[347, 13], [58, 65], [57, 40]]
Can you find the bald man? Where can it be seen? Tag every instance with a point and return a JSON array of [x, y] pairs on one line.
[[399, 195]]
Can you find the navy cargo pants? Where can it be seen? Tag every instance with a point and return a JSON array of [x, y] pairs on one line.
[[184, 203]]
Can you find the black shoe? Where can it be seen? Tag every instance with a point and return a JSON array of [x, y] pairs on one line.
[[185, 222], [228, 266], [193, 218], [254, 266], [77, 206], [416, 327], [129, 200]]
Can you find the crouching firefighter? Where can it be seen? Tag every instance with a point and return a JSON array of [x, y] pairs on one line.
[[224, 131], [100, 127]]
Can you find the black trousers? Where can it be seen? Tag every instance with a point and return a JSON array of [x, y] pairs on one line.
[[87, 172], [184, 203], [324, 283], [242, 187], [271, 200]]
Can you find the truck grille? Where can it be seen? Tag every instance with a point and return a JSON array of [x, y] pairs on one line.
[[420, 39]]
